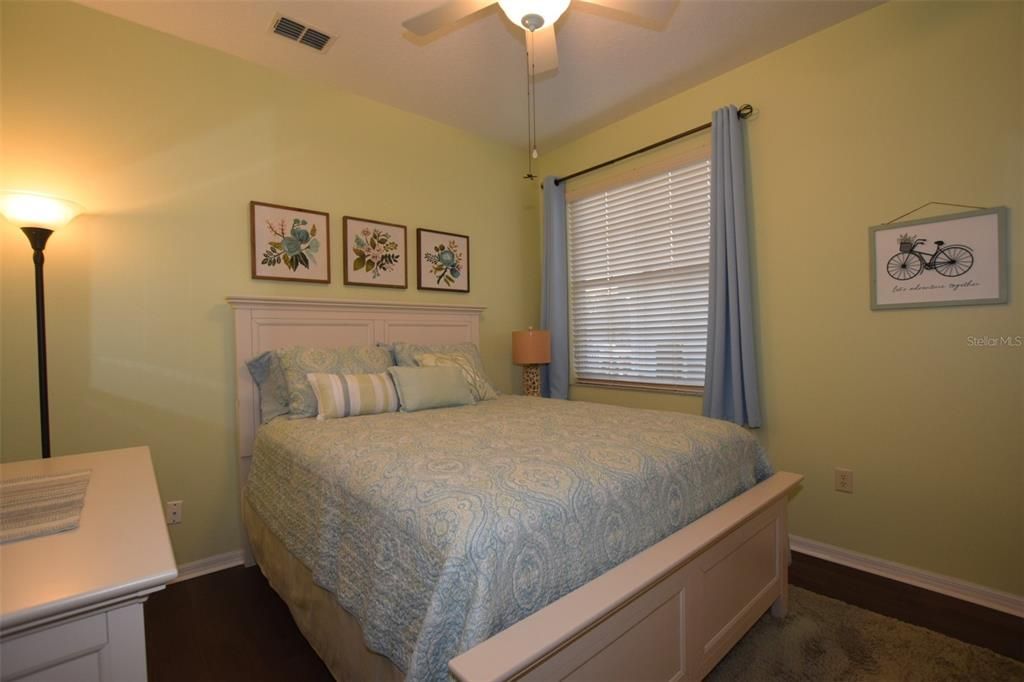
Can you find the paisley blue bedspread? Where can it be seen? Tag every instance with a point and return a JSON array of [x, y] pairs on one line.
[[440, 528]]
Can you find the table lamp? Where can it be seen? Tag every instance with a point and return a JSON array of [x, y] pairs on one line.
[[531, 349], [40, 216]]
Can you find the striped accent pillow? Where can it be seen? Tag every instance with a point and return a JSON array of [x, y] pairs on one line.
[[350, 395]]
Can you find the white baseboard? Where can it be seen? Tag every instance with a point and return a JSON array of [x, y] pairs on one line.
[[943, 584], [210, 564]]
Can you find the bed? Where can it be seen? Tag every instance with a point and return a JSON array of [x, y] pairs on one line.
[[540, 544]]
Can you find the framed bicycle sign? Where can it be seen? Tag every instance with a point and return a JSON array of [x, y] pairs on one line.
[[956, 259]]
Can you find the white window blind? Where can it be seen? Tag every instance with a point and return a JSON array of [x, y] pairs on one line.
[[638, 274]]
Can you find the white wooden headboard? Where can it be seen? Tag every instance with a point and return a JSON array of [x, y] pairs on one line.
[[263, 324]]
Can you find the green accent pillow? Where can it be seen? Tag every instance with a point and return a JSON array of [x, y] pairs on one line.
[[299, 361], [477, 381], [424, 388], [405, 356]]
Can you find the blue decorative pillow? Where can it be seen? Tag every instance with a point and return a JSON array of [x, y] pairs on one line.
[[405, 356], [424, 388], [478, 384], [299, 361], [269, 377]]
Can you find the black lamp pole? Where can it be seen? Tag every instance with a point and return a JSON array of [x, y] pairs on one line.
[[37, 236]]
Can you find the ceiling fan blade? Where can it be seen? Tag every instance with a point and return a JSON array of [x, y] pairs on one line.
[[439, 17], [542, 49], [655, 11]]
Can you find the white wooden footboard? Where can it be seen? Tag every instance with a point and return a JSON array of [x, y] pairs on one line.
[[669, 613]]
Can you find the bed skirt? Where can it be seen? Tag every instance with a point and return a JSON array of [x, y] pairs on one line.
[[332, 631]]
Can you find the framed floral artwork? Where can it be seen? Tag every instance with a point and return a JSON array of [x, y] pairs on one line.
[[290, 243], [442, 260], [375, 253]]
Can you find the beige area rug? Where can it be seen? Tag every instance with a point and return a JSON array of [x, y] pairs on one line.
[[823, 639]]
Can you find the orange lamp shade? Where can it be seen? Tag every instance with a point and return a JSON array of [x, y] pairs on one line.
[[532, 347]]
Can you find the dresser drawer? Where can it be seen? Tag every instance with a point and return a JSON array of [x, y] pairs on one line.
[[55, 648], [83, 669]]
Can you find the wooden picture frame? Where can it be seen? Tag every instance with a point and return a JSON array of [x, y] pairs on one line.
[[286, 243], [442, 261], [948, 260], [375, 253]]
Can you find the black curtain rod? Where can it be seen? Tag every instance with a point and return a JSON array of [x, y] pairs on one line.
[[744, 112]]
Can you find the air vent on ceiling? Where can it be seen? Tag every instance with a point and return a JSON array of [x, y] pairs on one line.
[[315, 39], [293, 30], [284, 26]]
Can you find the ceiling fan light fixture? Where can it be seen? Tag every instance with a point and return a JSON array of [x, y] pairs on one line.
[[533, 14]]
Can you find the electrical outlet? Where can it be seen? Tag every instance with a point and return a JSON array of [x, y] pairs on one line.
[[844, 480], [173, 512]]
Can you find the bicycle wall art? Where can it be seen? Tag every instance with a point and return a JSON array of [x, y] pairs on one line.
[[956, 259]]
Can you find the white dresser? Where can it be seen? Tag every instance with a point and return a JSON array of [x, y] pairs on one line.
[[71, 603]]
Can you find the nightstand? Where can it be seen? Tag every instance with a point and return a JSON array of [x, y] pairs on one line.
[[71, 603]]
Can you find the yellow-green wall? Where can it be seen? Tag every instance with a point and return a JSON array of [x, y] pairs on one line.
[[2, 241], [904, 104], [165, 143]]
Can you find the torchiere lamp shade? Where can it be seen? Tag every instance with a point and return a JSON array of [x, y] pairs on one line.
[[26, 209], [532, 347], [38, 216]]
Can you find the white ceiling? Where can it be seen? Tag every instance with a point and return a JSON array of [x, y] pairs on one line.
[[473, 76]]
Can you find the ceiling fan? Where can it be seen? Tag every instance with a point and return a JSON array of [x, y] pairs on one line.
[[538, 17]]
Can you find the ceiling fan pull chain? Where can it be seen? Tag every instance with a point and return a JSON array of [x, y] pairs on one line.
[[531, 121], [533, 101], [530, 101]]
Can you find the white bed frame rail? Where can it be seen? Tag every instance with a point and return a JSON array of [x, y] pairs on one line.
[[669, 613]]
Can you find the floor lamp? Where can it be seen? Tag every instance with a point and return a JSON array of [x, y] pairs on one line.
[[39, 216]]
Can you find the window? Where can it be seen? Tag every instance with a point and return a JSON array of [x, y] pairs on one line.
[[638, 280]]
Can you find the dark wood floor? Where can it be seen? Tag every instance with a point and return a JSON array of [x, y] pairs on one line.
[[228, 625], [231, 625], [962, 620]]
